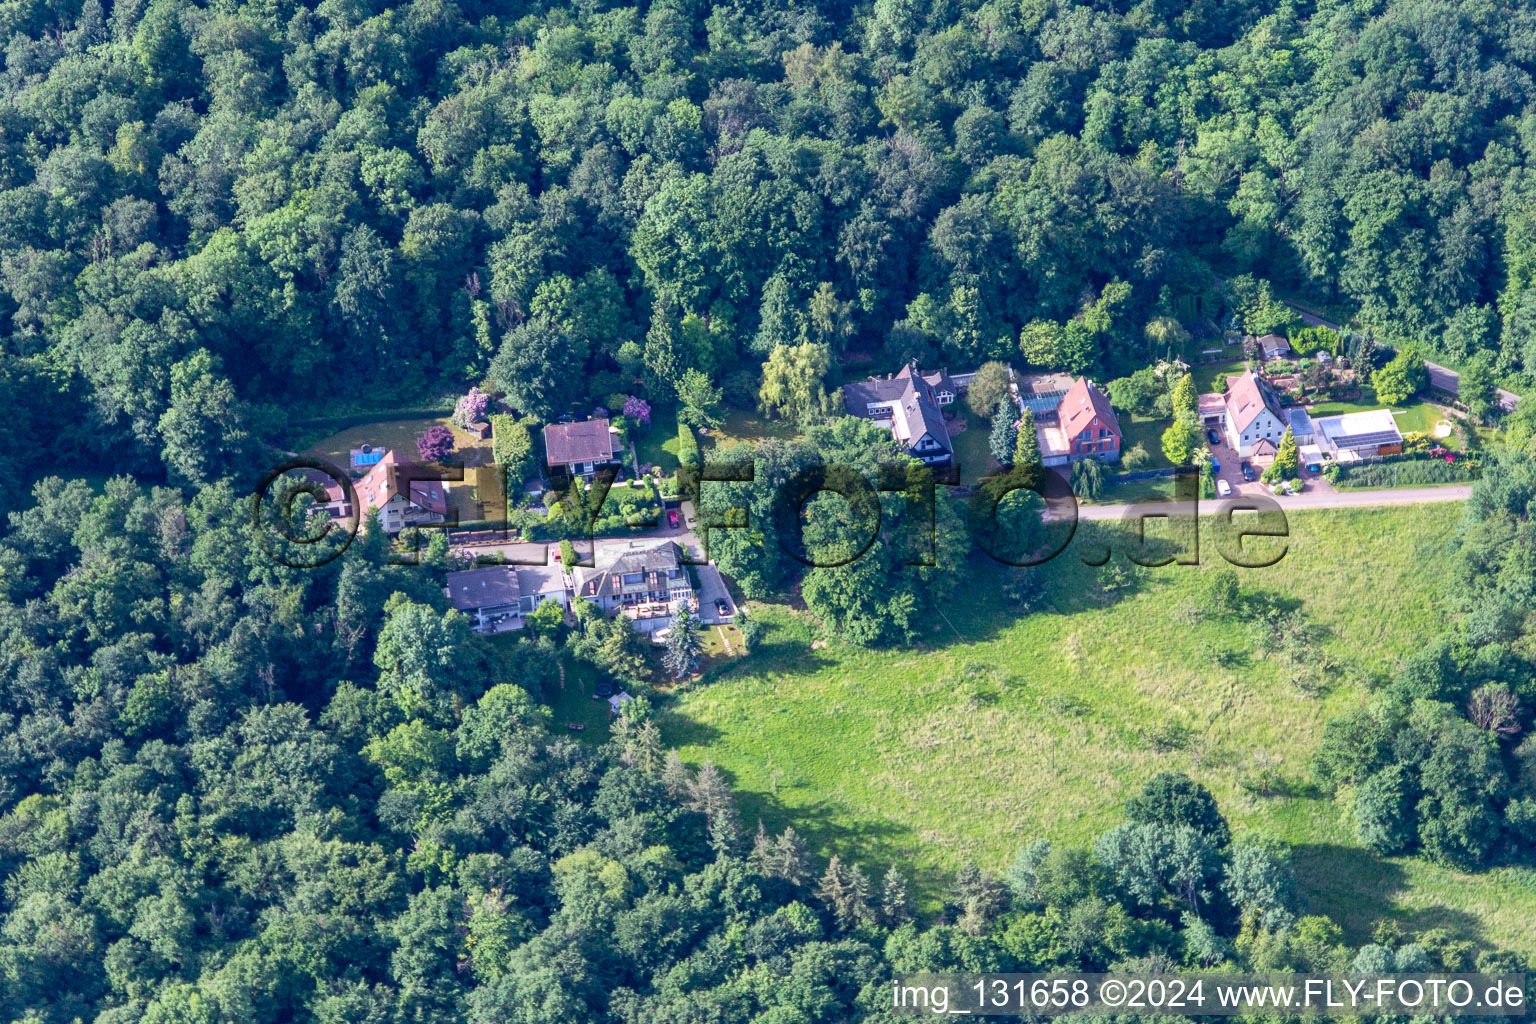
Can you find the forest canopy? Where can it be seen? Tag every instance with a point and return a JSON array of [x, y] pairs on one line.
[[216, 217]]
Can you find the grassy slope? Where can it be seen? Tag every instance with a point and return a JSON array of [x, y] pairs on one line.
[[991, 737]]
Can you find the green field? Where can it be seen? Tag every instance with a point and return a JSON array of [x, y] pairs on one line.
[[1001, 729]]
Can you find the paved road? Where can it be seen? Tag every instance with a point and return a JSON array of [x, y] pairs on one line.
[[1319, 499], [1441, 377]]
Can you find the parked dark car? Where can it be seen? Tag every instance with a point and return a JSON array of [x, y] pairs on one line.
[[1214, 437], [1248, 473]]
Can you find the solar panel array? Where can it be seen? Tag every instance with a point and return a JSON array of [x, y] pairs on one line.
[[1375, 437]]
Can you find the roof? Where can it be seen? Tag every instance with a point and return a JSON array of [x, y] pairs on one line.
[[540, 579], [910, 394], [1360, 429], [587, 441], [488, 587], [1081, 405], [334, 491], [653, 563], [1247, 396], [382, 484], [1300, 423], [1211, 403], [1264, 446], [1274, 344]]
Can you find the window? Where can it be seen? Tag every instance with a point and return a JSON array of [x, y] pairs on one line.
[[634, 577]]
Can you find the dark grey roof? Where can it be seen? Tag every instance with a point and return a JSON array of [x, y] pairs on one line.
[[488, 587], [920, 409], [858, 395], [653, 562], [914, 409]]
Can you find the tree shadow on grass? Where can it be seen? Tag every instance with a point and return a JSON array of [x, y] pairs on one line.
[[831, 827], [1357, 888]]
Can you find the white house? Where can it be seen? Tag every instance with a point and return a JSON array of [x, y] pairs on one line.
[[1252, 421], [402, 501]]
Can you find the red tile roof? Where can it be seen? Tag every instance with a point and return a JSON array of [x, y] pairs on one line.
[[382, 483], [1247, 396], [1079, 407], [589, 441]]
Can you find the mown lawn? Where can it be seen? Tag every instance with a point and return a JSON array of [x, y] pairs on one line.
[[1210, 376], [399, 435], [1000, 729], [973, 447], [658, 445], [744, 426], [1415, 415], [1143, 430]]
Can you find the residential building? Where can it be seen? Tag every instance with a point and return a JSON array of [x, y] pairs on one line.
[[1251, 418], [537, 584], [580, 449], [335, 503], [489, 595], [1358, 435], [1082, 426], [402, 496], [1273, 346], [501, 597], [648, 584], [910, 403]]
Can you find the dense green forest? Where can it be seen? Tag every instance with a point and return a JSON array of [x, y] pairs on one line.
[[216, 217]]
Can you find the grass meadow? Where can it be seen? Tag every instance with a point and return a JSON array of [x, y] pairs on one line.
[[996, 728]]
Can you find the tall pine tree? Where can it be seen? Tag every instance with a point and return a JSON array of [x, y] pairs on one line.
[[1005, 433]]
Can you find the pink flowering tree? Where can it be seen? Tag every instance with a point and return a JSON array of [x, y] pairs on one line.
[[471, 407], [638, 409], [435, 445]]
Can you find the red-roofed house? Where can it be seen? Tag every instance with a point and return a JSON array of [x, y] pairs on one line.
[[579, 449], [401, 499], [1252, 420], [1082, 427]]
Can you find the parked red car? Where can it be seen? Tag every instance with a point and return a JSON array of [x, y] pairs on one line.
[[672, 519]]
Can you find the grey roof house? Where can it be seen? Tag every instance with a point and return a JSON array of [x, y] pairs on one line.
[[498, 597], [489, 595], [910, 403], [647, 584]]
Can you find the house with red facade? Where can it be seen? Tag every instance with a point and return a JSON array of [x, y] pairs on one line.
[[1082, 426]]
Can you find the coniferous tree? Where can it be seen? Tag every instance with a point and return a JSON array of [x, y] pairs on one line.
[[1026, 450], [1005, 432], [895, 904], [682, 645]]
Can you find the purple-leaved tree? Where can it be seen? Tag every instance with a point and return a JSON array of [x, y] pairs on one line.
[[471, 407], [435, 445], [638, 409]]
